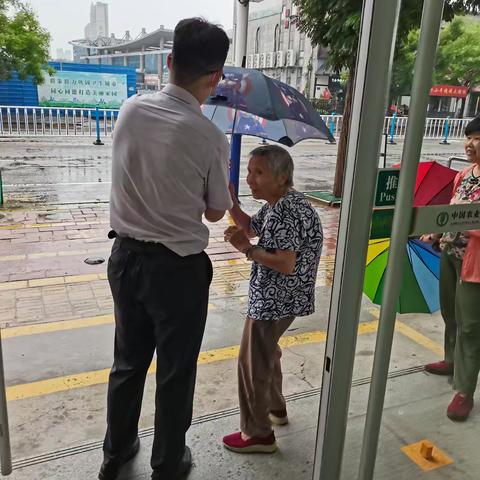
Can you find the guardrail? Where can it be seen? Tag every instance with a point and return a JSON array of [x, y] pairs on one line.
[[456, 159], [55, 121], [396, 127], [19, 120]]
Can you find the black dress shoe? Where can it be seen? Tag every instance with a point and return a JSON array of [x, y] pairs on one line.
[[111, 467], [182, 470]]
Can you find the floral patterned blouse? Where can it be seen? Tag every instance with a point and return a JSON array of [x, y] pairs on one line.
[[291, 224], [468, 191]]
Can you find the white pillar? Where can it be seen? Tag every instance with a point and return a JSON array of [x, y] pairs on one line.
[[241, 32], [142, 60]]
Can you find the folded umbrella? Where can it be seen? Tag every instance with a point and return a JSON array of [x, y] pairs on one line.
[[421, 270]]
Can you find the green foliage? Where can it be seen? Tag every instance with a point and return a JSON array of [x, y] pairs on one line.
[[335, 24], [457, 57], [24, 43], [459, 53], [402, 73]]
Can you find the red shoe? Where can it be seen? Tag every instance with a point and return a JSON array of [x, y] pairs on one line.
[[235, 443], [460, 407], [278, 417], [440, 368]]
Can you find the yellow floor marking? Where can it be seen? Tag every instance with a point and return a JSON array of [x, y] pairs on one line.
[[35, 329], [419, 338], [12, 258], [13, 285], [45, 282], [223, 273], [55, 385], [83, 278], [105, 251], [226, 272], [25, 330], [66, 253], [439, 458], [413, 334], [21, 226], [96, 377]]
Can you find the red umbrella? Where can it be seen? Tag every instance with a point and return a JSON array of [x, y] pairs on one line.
[[434, 184]]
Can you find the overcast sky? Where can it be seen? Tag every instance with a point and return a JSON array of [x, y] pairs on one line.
[[66, 19]]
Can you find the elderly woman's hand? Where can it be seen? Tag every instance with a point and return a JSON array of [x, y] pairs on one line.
[[233, 195], [427, 238], [238, 238], [431, 237]]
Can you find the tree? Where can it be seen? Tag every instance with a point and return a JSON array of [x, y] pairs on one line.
[[335, 24], [458, 55], [24, 44], [402, 73]]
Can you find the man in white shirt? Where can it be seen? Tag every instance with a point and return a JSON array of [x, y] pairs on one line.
[[170, 167]]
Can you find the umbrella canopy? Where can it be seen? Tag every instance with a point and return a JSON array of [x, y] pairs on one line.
[[434, 184], [419, 292], [250, 103]]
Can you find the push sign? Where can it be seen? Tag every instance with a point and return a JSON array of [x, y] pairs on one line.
[[387, 186]]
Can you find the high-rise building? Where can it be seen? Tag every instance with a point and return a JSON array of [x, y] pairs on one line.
[[62, 55], [98, 26]]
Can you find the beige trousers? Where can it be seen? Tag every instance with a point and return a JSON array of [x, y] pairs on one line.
[[260, 374]]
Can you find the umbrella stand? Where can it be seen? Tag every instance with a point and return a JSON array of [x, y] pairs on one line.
[[235, 152]]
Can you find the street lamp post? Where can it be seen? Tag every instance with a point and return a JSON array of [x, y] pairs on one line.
[[240, 45]]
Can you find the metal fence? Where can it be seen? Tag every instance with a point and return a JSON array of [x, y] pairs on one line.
[[56, 121], [16, 121], [396, 127]]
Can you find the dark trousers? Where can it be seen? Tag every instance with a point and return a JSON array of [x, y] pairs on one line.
[[161, 302], [460, 305]]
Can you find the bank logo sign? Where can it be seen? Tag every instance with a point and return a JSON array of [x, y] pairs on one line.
[[442, 219], [82, 89]]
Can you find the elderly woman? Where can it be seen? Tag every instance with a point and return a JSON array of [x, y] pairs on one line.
[[460, 289], [282, 287]]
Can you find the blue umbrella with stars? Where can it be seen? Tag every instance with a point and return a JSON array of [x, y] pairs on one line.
[[247, 102]]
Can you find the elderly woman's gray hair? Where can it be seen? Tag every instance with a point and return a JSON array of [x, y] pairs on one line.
[[279, 161]]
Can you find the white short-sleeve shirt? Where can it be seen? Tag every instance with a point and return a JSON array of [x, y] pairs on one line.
[[169, 164]]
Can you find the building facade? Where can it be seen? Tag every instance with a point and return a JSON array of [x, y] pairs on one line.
[[147, 53], [276, 46]]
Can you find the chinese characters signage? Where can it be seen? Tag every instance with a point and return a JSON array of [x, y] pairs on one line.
[[82, 89], [429, 219], [448, 91], [443, 218], [387, 185]]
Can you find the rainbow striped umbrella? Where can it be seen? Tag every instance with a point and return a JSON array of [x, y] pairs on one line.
[[421, 271]]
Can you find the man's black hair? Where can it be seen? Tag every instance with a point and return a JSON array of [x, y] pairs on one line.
[[199, 48], [473, 126]]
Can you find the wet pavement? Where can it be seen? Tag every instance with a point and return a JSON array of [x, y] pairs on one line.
[[72, 169], [56, 314]]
